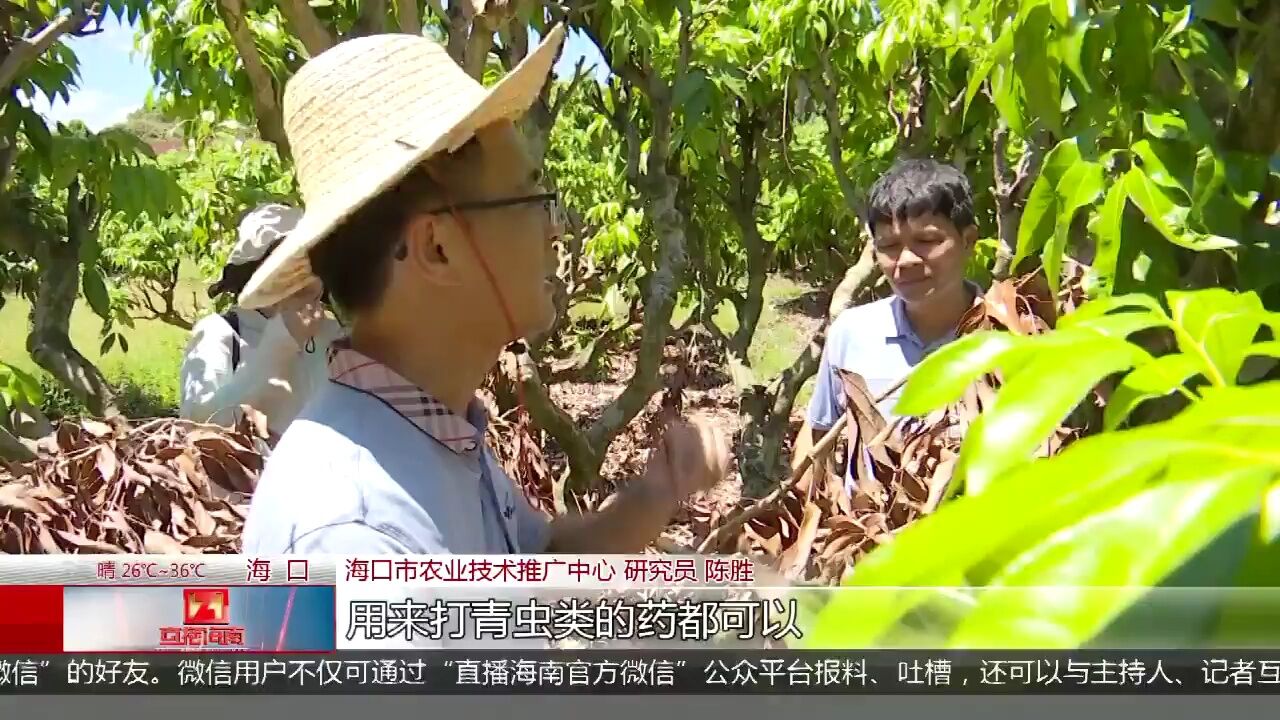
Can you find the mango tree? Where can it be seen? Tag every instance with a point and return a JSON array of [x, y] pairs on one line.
[[221, 176], [1070, 547], [58, 186]]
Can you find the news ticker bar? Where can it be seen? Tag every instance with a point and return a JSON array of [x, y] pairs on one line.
[[48, 619], [586, 571], [639, 673]]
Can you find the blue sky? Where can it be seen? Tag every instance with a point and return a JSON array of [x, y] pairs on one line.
[[114, 78]]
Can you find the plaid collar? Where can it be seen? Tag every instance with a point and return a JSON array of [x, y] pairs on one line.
[[361, 373]]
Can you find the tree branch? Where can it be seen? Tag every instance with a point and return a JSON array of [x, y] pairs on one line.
[[1011, 189], [565, 94], [479, 43], [584, 458], [372, 19], [659, 191], [29, 49], [407, 18], [266, 102], [826, 87], [857, 280], [306, 26]]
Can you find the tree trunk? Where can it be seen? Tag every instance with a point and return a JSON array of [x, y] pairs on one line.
[[49, 342], [266, 103], [1254, 124], [857, 280], [749, 311], [14, 449], [767, 415], [306, 26], [372, 19], [658, 189], [407, 17]]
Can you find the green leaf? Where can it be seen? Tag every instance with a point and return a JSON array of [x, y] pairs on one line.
[[663, 11], [1095, 309], [1037, 71], [1071, 50], [1107, 234], [1164, 126], [1073, 585], [107, 343], [1132, 60], [1157, 378], [124, 342], [1216, 326], [1243, 615], [1027, 409], [1181, 21], [95, 291], [690, 83], [1155, 166], [866, 48], [20, 385], [1223, 12], [1039, 215], [1081, 185], [944, 376], [1210, 175], [1064, 11], [999, 53], [1033, 502], [1006, 95], [1165, 215]]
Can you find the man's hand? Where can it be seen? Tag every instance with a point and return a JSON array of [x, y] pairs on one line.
[[693, 456], [303, 313]]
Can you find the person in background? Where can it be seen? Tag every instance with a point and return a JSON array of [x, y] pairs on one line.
[[428, 224], [921, 218], [270, 359]]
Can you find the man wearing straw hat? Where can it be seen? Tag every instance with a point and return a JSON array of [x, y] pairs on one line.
[[427, 223]]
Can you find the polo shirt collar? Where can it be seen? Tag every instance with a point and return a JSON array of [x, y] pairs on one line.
[[359, 372], [902, 329]]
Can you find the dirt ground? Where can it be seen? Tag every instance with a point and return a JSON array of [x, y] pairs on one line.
[[708, 393]]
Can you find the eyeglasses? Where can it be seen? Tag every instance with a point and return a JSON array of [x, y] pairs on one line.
[[550, 201]]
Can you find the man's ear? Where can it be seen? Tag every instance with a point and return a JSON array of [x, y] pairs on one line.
[[970, 237], [424, 253]]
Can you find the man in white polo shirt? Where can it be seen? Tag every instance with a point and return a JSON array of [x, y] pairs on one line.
[[428, 225], [921, 218]]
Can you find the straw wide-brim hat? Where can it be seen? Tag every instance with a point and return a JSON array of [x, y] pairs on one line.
[[362, 115]]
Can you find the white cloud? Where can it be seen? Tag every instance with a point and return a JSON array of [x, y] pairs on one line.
[[96, 109]]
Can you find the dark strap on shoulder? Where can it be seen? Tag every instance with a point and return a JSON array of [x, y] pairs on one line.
[[234, 321]]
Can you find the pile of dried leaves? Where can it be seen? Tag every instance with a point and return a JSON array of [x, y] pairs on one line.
[[812, 530], [166, 486]]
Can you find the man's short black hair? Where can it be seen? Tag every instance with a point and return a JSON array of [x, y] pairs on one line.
[[354, 260], [920, 186]]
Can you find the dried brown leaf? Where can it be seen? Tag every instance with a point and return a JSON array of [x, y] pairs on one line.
[[17, 497], [107, 463], [84, 543], [96, 428], [157, 543]]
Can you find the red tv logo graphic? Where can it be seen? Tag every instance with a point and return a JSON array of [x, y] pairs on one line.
[[206, 606]]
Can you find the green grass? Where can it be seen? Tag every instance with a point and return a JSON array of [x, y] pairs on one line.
[[778, 339], [147, 375]]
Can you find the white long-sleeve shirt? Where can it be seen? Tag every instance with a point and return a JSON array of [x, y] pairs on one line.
[[275, 375]]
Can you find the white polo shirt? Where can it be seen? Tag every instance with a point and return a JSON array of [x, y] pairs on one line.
[[374, 465]]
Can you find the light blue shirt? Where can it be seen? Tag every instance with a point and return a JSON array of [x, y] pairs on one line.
[[875, 341], [353, 476]]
